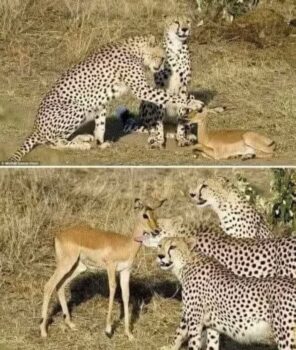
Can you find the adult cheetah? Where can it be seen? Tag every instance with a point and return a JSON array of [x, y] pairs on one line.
[[83, 93], [249, 310], [248, 257], [174, 78], [237, 216]]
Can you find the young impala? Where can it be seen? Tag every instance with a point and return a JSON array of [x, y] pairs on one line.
[[228, 143], [82, 247]]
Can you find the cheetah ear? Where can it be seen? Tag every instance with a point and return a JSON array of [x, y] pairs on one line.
[[151, 40], [191, 243], [223, 180], [177, 220]]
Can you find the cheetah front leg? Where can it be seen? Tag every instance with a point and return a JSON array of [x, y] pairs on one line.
[[181, 134], [212, 339], [156, 139], [100, 126], [184, 136], [194, 335], [284, 328]]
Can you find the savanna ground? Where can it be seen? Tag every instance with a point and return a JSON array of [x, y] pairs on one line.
[[37, 201], [248, 66]]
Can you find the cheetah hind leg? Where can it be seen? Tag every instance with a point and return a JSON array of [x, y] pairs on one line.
[[80, 142], [83, 138]]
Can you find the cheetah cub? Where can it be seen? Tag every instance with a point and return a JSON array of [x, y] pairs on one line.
[[174, 78], [237, 216], [84, 92], [269, 257], [249, 310]]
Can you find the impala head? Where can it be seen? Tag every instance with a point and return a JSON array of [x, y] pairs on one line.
[[210, 192], [197, 117], [179, 29], [153, 55], [146, 217], [172, 253], [167, 228]]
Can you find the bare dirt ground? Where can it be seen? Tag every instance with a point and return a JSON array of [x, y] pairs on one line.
[[36, 202], [248, 66]]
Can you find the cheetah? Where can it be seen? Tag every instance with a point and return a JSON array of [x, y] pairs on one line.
[[237, 216], [246, 257], [249, 310], [84, 92], [174, 78], [229, 9]]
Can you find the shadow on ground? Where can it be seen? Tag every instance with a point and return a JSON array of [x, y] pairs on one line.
[[141, 293], [205, 95], [114, 130]]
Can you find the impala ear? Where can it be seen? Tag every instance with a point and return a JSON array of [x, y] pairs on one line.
[[138, 204], [160, 203]]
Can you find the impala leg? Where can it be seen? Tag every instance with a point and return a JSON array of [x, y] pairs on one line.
[[206, 152], [125, 289], [63, 268], [112, 288], [62, 297]]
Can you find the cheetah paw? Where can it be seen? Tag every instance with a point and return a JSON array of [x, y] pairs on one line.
[[105, 145], [192, 138], [184, 143], [155, 144]]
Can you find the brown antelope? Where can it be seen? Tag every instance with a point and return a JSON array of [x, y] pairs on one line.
[[82, 247], [224, 144]]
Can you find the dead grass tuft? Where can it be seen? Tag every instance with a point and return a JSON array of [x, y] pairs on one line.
[[262, 27]]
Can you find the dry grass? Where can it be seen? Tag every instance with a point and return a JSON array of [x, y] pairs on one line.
[[40, 39], [35, 202]]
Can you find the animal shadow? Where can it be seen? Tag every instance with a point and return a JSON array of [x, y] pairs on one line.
[[141, 293], [204, 95], [114, 129]]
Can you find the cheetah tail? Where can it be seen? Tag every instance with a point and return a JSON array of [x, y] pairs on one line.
[[30, 142]]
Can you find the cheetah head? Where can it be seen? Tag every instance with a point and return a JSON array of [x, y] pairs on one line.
[[172, 253], [153, 55], [211, 192], [179, 29]]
